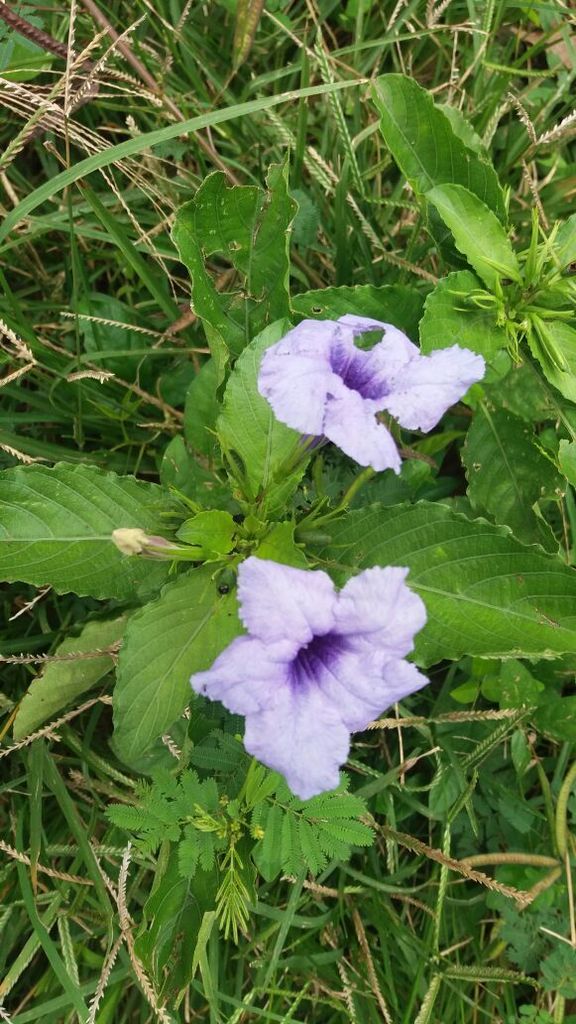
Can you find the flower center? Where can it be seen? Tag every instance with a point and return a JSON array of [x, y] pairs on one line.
[[356, 373], [318, 656]]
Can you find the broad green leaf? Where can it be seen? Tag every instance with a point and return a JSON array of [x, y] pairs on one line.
[[508, 475], [182, 469], [478, 234], [56, 526], [557, 717], [249, 227], [267, 853], [565, 247], [181, 632], [485, 593], [450, 319], [425, 146], [202, 409], [392, 303], [172, 918], [279, 545], [212, 531], [513, 687], [464, 130], [567, 460], [523, 392], [268, 456], [554, 344], [63, 682]]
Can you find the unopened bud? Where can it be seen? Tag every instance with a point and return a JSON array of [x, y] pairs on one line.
[[134, 541]]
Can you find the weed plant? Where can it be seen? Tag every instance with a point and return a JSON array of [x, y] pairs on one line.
[[420, 158]]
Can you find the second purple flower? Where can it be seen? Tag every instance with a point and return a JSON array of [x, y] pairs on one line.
[[319, 383]]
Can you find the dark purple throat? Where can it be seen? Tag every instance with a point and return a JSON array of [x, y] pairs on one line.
[[317, 657], [355, 372]]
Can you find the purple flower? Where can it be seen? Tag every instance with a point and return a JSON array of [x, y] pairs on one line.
[[317, 664], [318, 382]]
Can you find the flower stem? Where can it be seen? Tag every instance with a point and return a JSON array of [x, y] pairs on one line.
[[355, 486]]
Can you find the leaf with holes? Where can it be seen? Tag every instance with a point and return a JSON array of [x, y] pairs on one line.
[[391, 303], [249, 228]]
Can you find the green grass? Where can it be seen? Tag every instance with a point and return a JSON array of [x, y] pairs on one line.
[[90, 281]]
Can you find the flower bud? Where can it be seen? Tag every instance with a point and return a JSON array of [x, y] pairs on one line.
[[134, 541]]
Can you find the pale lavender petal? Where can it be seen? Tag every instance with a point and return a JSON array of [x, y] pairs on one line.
[[246, 676], [301, 736], [295, 375], [350, 422], [353, 675], [377, 609], [278, 602], [350, 680], [395, 348], [400, 679], [424, 389]]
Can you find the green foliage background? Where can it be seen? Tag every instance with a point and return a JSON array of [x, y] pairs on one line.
[[421, 154]]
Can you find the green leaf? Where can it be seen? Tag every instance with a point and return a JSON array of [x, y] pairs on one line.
[[567, 460], [450, 319], [180, 633], [391, 303], [425, 146], [248, 14], [56, 526], [557, 718], [267, 852], [477, 232], [21, 59], [514, 687], [180, 468], [202, 409], [565, 247], [485, 593], [196, 848], [464, 130], [213, 531], [172, 917], [554, 343], [508, 475], [523, 392], [250, 228], [268, 456], [62, 682], [559, 971], [278, 545]]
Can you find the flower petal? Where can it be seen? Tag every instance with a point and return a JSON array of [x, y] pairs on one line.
[[395, 344], [401, 678], [350, 422], [246, 676], [295, 375], [301, 736], [377, 610], [427, 386], [278, 602], [350, 680]]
